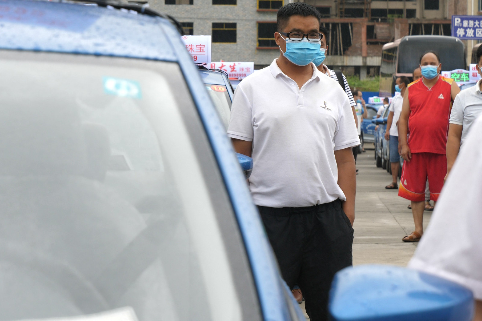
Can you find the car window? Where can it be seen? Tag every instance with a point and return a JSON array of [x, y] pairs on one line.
[[371, 113], [111, 197], [220, 97]]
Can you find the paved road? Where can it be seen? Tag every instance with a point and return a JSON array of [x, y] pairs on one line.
[[382, 218]]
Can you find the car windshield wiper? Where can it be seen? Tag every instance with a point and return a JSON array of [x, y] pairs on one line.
[[142, 9]]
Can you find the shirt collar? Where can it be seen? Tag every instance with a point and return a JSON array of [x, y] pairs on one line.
[[477, 87], [275, 70]]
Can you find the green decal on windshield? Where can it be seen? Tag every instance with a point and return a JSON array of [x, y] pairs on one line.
[[122, 87]]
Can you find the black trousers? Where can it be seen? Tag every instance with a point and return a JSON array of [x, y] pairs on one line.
[[311, 245]]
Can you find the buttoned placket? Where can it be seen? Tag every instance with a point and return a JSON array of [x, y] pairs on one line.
[[298, 91]]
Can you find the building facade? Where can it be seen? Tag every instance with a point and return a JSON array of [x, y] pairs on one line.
[[242, 30]]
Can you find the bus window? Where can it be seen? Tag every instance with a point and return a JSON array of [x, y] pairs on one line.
[[387, 70], [402, 57], [410, 52], [389, 58]]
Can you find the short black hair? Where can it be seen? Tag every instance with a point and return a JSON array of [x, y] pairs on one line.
[[432, 52], [405, 79], [326, 32], [479, 54], [295, 9], [386, 100]]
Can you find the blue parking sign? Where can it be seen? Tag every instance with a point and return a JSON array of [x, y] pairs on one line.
[[467, 27]]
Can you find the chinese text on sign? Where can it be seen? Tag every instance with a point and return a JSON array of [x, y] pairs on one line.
[[467, 27]]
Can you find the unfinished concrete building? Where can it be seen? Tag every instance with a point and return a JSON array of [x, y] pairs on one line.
[[242, 30]]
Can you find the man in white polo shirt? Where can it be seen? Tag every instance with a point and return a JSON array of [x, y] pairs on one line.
[[467, 107], [298, 126]]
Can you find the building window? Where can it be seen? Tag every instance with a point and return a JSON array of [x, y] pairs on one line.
[[224, 32], [266, 32], [188, 28], [431, 4], [411, 13], [379, 15], [224, 2], [325, 11], [270, 4], [353, 13], [178, 1], [394, 13]]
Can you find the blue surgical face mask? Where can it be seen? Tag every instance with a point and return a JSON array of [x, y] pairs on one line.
[[301, 53], [429, 72], [397, 88], [320, 57]]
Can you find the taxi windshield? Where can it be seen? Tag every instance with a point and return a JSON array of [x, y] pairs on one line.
[[220, 97], [105, 202]]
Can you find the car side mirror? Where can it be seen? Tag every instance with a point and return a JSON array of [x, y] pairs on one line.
[[374, 117], [374, 121], [375, 292], [385, 120], [246, 163], [379, 121]]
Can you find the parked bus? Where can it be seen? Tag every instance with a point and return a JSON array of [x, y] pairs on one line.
[[401, 57]]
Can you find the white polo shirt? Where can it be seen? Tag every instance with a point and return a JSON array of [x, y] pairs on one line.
[[294, 133], [382, 109], [396, 107], [467, 106], [451, 247]]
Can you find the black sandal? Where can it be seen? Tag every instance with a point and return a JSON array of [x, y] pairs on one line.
[[392, 186]]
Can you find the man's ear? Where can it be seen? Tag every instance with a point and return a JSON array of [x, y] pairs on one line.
[[277, 38]]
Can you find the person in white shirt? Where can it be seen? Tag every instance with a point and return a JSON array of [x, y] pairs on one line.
[[391, 134], [381, 110], [361, 114], [467, 107], [451, 246], [298, 126], [386, 104]]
